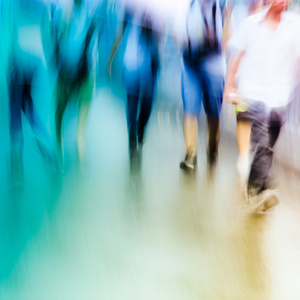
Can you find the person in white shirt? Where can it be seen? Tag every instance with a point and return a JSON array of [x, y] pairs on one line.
[[263, 73], [237, 14]]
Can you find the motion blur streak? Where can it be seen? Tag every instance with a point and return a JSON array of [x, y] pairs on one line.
[[79, 219]]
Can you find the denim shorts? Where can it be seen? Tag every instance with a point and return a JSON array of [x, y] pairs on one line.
[[202, 83]]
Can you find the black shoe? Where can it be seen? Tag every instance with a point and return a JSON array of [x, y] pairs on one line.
[[189, 163]]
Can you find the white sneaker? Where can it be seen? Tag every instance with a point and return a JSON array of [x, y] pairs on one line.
[[264, 201]]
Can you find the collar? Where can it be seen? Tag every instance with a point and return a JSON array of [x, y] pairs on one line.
[[264, 12]]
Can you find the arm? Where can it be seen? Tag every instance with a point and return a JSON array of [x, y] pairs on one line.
[[116, 44], [227, 13], [232, 69]]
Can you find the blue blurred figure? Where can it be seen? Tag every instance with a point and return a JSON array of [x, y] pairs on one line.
[[140, 69], [73, 31], [28, 23], [203, 75]]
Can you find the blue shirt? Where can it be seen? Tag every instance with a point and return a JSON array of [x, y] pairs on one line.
[[72, 25]]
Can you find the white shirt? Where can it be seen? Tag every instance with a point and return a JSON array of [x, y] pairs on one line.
[[267, 71]]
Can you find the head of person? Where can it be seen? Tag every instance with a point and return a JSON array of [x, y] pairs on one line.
[[278, 6]]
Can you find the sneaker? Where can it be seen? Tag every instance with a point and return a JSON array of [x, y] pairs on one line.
[[190, 162], [264, 201]]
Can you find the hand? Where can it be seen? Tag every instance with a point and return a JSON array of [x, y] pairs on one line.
[[231, 95]]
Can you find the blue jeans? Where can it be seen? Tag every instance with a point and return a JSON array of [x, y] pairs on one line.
[[140, 87], [202, 84]]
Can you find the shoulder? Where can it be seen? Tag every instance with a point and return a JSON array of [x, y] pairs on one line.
[[249, 23], [291, 17], [292, 24], [255, 18]]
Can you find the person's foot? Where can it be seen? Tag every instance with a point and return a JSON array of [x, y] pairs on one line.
[[264, 201], [190, 162]]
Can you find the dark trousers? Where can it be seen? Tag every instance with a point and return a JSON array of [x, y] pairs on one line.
[[137, 123], [20, 100], [265, 128]]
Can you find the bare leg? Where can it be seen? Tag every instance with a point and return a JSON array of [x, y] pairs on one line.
[[62, 98], [190, 128], [85, 98], [243, 131]]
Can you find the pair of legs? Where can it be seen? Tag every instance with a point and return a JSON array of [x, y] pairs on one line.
[[190, 127], [20, 94], [137, 123], [140, 86], [65, 90], [265, 128], [201, 85]]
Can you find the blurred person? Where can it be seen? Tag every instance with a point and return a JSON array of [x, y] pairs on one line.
[[203, 76], [263, 72], [140, 70], [29, 24], [73, 30], [102, 8], [239, 12]]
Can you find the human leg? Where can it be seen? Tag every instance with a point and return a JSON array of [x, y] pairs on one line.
[[15, 89], [85, 97], [213, 86], [62, 98], [191, 96]]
